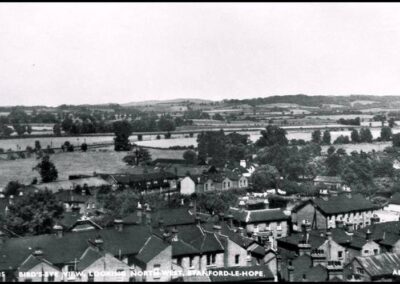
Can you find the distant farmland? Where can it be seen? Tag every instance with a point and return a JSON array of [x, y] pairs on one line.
[[74, 163]]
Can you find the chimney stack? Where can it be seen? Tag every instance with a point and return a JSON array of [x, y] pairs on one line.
[[350, 228], [290, 271], [139, 213], [161, 224], [242, 231], [118, 224], [38, 252], [229, 218], [98, 241], [306, 226], [266, 203], [217, 229], [198, 220], [148, 215], [58, 230], [174, 232], [11, 200], [221, 216], [339, 223], [375, 219], [368, 235]]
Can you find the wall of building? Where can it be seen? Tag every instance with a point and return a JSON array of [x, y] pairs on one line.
[[231, 251], [279, 229], [219, 261], [332, 249], [35, 274], [187, 186], [109, 265], [164, 259]]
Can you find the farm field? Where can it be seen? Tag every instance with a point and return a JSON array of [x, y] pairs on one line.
[[104, 160]]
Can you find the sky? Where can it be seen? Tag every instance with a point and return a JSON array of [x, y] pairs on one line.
[[92, 53]]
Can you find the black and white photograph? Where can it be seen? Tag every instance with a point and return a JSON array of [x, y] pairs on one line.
[[188, 142]]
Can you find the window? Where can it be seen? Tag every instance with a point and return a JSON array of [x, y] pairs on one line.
[[340, 254], [211, 258], [179, 261], [366, 251], [229, 184], [50, 278], [156, 269], [237, 256], [191, 261], [360, 270], [91, 277], [375, 251], [206, 186]]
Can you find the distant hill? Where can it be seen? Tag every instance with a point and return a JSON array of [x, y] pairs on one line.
[[174, 101]]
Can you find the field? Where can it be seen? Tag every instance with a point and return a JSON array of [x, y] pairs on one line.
[[104, 160]]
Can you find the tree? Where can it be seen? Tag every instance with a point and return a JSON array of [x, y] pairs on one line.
[[396, 140], [20, 129], [57, 129], [265, 177], [47, 170], [84, 147], [326, 138], [391, 122], [38, 147], [365, 135], [272, 135], [316, 136], [122, 130], [166, 124], [386, 133], [12, 188], [34, 213], [217, 116], [140, 155], [342, 139], [355, 138], [212, 146], [190, 157]]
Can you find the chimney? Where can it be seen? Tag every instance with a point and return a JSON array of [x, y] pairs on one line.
[[229, 218], [174, 232], [278, 263], [98, 242], [118, 225], [290, 271], [304, 247], [38, 252], [221, 216], [339, 223], [318, 256], [266, 203], [329, 235], [335, 270], [161, 224], [198, 220], [139, 213], [242, 231], [11, 200], [350, 228], [323, 193], [165, 236], [368, 235], [242, 205], [306, 226], [148, 215], [375, 219], [58, 230], [217, 229]]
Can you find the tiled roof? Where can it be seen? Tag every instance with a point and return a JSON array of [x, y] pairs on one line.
[[200, 239], [381, 264], [180, 248], [294, 239], [328, 179], [173, 216], [395, 199], [266, 274], [72, 245], [152, 247], [253, 216], [88, 257], [31, 262], [342, 204]]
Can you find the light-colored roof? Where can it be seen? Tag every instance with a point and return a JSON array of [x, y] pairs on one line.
[[71, 184], [381, 264]]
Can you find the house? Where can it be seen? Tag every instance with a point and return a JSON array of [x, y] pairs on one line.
[[261, 221], [355, 210], [391, 212], [244, 273], [187, 186], [83, 202], [381, 267], [329, 182]]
